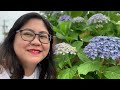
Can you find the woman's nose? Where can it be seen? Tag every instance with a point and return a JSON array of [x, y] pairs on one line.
[[36, 41]]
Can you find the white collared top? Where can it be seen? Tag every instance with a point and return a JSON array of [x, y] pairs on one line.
[[6, 75]]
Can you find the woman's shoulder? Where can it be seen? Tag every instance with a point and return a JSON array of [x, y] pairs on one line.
[[3, 73]]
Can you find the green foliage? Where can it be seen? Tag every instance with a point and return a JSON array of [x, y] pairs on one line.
[[88, 66], [68, 73], [112, 72], [78, 34], [82, 56]]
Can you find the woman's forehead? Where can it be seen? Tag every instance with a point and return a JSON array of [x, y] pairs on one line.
[[36, 25]]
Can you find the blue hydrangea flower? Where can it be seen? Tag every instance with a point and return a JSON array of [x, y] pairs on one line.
[[98, 18], [64, 48], [103, 47], [65, 18], [78, 19]]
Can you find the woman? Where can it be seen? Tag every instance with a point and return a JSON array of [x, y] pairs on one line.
[[26, 53]]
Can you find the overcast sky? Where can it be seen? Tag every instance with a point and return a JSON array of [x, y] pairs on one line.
[[9, 17]]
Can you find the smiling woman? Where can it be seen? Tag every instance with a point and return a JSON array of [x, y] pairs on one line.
[[27, 49]]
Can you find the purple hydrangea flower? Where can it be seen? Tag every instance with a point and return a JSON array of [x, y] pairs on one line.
[[98, 18], [65, 18], [103, 47]]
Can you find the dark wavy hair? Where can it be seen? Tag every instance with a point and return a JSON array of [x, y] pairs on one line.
[[9, 60]]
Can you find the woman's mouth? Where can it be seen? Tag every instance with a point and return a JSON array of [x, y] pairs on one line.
[[34, 51]]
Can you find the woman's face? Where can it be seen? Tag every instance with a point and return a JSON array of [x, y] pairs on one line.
[[31, 52]]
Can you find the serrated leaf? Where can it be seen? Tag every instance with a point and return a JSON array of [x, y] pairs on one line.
[[88, 67], [82, 56], [60, 36], [67, 73], [60, 61], [64, 27], [55, 29], [77, 44], [73, 35], [112, 72]]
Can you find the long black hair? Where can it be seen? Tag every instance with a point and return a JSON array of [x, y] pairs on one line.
[[9, 60]]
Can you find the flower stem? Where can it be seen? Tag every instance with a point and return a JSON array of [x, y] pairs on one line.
[[101, 68], [69, 63]]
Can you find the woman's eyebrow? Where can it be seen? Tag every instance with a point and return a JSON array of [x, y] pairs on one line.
[[43, 32]]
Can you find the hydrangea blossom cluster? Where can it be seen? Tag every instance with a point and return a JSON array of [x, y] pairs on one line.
[[64, 48], [103, 47], [98, 18], [65, 18], [78, 19]]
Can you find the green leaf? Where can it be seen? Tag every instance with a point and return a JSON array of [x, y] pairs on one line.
[[55, 29], [87, 38], [88, 67], [73, 35], [77, 44], [64, 27], [60, 36], [61, 64], [112, 72], [82, 56], [68, 73], [69, 39], [63, 61], [76, 13], [60, 61]]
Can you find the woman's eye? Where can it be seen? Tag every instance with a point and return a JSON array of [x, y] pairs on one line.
[[28, 34], [43, 36]]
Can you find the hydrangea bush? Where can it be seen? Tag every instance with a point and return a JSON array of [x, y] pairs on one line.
[[90, 47], [64, 55]]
